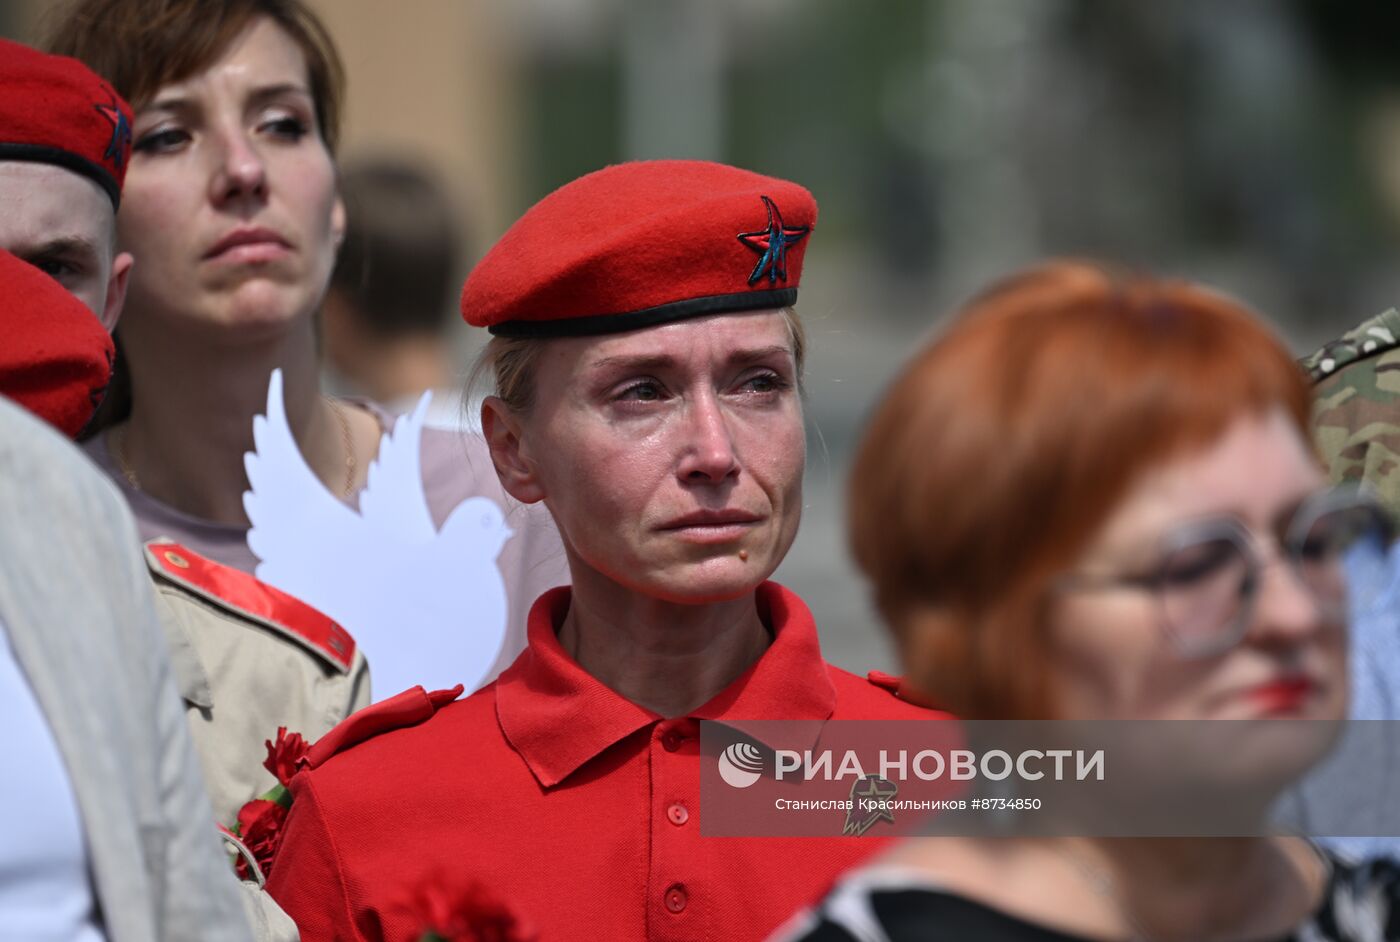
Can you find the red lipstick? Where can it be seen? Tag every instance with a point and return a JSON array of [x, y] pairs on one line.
[[1284, 695]]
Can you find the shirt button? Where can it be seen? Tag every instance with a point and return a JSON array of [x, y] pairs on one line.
[[677, 814], [671, 740], [675, 898]]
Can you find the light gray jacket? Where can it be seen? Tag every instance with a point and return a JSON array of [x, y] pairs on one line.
[[77, 604]]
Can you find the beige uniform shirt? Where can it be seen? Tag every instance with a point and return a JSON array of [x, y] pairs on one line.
[[247, 660]]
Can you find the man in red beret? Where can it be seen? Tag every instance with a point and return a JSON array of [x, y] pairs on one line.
[[65, 139]]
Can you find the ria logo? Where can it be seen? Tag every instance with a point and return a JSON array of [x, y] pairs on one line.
[[740, 764]]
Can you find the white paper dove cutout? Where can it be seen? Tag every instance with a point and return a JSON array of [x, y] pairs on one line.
[[426, 606]]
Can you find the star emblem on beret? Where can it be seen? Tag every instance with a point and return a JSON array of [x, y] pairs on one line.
[[120, 143], [772, 244]]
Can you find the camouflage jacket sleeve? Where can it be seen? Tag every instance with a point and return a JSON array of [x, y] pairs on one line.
[[1356, 405]]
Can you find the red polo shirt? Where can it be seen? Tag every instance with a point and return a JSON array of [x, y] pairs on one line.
[[576, 806]]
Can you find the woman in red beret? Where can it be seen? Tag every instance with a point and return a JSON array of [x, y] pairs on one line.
[[647, 366], [1126, 521]]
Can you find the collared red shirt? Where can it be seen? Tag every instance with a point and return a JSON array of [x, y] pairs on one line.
[[577, 807]]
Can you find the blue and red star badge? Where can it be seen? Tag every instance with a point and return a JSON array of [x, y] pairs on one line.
[[772, 244], [120, 143]]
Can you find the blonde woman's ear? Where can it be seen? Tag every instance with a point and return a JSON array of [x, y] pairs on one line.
[[509, 453]]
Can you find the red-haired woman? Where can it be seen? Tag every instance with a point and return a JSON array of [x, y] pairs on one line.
[[1094, 497]]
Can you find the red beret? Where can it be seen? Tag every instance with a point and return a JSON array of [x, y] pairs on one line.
[[56, 360], [56, 110], [640, 244]]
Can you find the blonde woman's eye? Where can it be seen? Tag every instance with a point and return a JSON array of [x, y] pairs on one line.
[[766, 383], [641, 392]]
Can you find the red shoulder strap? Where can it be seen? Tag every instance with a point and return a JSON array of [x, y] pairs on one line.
[[237, 590], [409, 708]]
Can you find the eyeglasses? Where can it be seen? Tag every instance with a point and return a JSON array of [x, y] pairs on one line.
[[1207, 577]]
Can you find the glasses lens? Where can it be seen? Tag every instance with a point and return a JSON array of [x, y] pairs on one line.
[[1203, 585], [1342, 558]]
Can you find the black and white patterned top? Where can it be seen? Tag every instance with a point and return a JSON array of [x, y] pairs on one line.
[[1362, 904]]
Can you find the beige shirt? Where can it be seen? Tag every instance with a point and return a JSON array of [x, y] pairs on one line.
[[243, 674]]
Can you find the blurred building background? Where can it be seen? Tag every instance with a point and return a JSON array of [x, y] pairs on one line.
[[1253, 144]]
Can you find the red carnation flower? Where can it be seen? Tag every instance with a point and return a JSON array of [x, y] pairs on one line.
[[284, 757], [260, 828], [466, 912]]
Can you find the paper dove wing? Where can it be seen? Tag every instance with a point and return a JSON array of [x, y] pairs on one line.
[[425, 606], [392, 503], [309, 544]]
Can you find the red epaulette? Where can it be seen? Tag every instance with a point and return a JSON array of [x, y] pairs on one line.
[[245, 595], [409, 708], [900, 689]]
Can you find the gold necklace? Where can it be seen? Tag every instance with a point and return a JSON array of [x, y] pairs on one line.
[[122, 461], [351, 465]]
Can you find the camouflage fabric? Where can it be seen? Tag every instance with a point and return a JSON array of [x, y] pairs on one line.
[[1356, 406]]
